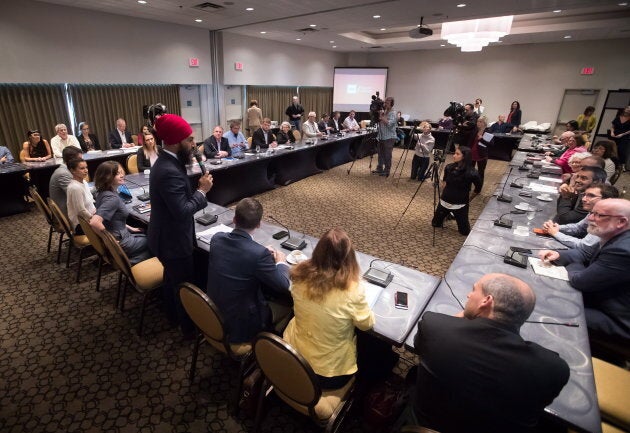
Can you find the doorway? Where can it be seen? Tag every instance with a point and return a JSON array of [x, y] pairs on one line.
[[573, 104]]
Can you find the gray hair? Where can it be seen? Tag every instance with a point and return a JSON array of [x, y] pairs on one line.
[[511, 304]]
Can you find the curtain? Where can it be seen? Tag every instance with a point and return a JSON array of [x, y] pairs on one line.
[[30, 106], [317, 99], [100, 105], [272, 100]]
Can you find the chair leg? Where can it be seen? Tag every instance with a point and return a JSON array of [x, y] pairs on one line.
[[100, 272], [259, 409], [193, 362], [59, 248], [119, 290], [50, 232], [142, 310], [123, 294], [69, 252], [241, 376], [81, 251]]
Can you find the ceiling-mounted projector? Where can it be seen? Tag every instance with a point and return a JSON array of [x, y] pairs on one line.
[[421, 31]]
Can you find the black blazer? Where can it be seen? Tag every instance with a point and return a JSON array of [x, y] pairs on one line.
[[84, 146], [240, 273], [258, 139], [173, 203], [114, 139], [284, 138], [210, 147], [144, 163], [334, 129]]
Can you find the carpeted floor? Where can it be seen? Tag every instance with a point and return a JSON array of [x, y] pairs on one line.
[[70, 362]]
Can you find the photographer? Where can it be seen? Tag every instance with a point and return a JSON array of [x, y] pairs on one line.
[[386, 138], [422, 156], [467, 127]]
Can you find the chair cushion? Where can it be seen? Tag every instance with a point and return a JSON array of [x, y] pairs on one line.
[[237, 349], [607, 428], [81, 240], [613, 392], [148, 274], [327, 404]]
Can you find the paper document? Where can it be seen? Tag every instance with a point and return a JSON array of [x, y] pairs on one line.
[[372, 292], [549, 270], [550, 179], [206, 235], [487, 136], [538, 187]]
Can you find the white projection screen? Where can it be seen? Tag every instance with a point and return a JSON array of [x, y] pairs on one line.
[[353, 87]]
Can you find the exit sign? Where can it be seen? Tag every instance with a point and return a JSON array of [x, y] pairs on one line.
[[589, 70], [193, 62], [238, 66]]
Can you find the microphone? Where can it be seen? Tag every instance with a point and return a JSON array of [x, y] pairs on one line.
[[291, 243], [197, 156], [217, 152], [544, 322], [513, 184], [380, 277], [506, 222], [504, 197], [144, 196]]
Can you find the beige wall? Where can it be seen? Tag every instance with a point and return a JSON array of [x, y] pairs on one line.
[[423, 82]]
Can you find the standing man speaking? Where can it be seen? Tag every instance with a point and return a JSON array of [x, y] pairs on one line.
[[386, 138], [173, 204]]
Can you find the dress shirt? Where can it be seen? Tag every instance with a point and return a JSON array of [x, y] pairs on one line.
[[350, 123], [310, 129], [57, 144], [4, 151]]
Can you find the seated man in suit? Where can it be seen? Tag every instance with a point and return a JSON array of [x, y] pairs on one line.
[[120, 137], [263, 136], [569, 206], [335, 124], [600, 271], [241, 273], [323, 123], [476, 373], [216, 146], [500, 127]]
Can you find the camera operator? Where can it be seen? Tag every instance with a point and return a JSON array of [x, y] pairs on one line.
[[386, 137], [468, 127]]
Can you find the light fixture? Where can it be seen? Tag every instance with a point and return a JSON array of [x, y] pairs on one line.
[[567, 37], [249, 9], [557, 11], [383, 29], [332, 42], [142, 2], [473, 35], [623, 4], [376, 16], [442, 45], [198, 20], [461, 5], [312, 25], [298, 39], [263, 33], [334, 46]]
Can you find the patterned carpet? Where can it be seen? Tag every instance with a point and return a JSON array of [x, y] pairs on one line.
[[70, 362]]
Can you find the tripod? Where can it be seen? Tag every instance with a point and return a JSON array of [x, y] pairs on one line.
[[405, 152], [370, 143]]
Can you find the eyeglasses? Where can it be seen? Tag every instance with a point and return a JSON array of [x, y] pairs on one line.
[[589, 195], [597, 215]]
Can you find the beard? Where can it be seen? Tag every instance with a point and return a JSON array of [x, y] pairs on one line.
[[184, 155]]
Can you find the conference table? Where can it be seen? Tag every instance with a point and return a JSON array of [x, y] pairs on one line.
[[392, 324], [558, 305], [12, 188]]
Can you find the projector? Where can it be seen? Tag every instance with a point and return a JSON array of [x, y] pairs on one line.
[[420, 32]]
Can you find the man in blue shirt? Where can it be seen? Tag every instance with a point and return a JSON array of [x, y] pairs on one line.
[[386, 138], [5, 155], [235, 138]]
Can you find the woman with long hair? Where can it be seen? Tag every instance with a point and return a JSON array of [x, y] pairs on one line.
[[479, 147], [459, 176], [35, 148], [87, 140], [148, 153], [514, 117], [606, 150], [111, 212], [79, 200], [329, 301], [620, 133]]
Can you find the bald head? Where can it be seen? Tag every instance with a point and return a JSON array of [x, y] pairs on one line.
[[513, 299]]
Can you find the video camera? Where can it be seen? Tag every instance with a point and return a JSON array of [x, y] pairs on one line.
[[456, 112], [376, 107], [152, 112], [438, 155]]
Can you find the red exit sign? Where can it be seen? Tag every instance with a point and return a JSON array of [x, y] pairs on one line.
[[589, 70]]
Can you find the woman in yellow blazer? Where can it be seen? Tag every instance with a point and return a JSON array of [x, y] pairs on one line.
[[587, 121], [328, 303]]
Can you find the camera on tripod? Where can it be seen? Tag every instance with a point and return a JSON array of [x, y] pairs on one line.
[[376, 107], [438, 155], [456, 112], [153, 111]]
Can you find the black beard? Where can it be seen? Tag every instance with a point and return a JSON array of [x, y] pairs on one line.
[[184, 156]]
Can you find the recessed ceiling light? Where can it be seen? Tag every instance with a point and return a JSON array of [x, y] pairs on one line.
[[298, 39], [442, 45], [249, 9], [623, 4], [332, 42], [262, 33], [376, 16], [312, 25], [198, 20], [334, 46], [142, 2], [567, 37], [461, 5], [557, 11], [383, 29]]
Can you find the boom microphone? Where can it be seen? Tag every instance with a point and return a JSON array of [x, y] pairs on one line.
[[504, 197]]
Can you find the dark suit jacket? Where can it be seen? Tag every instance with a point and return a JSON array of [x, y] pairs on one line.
[[210, 146], [240, 272], [173, 204], [569, 210], [603, 276], [114, 139], [258, 138], [337, 128], [467, 366]]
